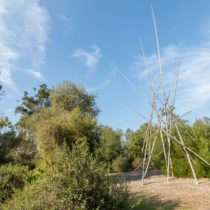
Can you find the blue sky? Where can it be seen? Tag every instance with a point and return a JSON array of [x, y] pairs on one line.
[[90, 41]]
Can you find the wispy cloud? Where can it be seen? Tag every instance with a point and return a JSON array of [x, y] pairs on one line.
[[64, 18], [99, 87], [23, 37], [194, 65], [67, 21], [89, 58], [35, 74]]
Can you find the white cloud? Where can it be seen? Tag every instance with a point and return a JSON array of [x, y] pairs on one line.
[[90, 58], [23, 37], [194, 64], [36, 74]]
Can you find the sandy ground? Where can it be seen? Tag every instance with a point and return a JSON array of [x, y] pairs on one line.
[[179, 193]]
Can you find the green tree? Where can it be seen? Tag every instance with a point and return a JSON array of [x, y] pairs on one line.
[[68, 96], [31, 104], [68, 117], [201, 144], [134, 141], [8, 140], [197, 138], [110, 144]]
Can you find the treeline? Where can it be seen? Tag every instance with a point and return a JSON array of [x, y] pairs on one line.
[[57, 156], [126, 155]]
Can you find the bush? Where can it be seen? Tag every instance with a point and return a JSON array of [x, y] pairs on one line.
[[120, 164], [72, 181], [12, 177], [136, 163]]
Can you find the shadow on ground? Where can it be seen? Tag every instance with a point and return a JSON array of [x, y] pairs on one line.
[[147, 202], [133, 175]]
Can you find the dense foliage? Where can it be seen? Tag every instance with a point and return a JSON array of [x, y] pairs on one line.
[[73, 180], [64, 114], [197, 138], [12, 177]]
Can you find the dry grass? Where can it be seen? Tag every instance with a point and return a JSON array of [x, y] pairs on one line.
[[179, 193]]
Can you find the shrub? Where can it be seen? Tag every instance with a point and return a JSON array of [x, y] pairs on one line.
[[136, 163], [72, 181], [12, 177], [120, 164]]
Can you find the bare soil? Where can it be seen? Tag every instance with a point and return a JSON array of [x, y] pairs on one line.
[[178, 193]]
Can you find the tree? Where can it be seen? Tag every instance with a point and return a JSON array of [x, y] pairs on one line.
[[65, 97], [110, 144], [197, 138], [201, 137], [68, 96], [134, 141], [8, 140], [67, 115], [31, 104]]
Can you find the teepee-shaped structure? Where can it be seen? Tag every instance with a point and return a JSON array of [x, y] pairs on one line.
[[163, 114]]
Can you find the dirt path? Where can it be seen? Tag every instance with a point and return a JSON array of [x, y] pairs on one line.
[[179, 193]]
